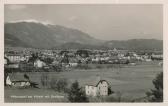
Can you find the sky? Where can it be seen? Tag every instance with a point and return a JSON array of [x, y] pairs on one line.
[[101, 21]]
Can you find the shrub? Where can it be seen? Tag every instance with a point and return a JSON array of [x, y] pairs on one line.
[[57, 68]]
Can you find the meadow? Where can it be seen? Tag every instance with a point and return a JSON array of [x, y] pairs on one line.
[[130, 81]]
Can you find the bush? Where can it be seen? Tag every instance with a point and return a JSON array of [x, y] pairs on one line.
[[57, 68]]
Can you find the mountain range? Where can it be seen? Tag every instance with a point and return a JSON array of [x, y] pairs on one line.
[[39, 35]]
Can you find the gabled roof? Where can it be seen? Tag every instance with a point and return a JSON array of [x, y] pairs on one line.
[[95, 81], [6, 59], [17, 77], [9, 54]]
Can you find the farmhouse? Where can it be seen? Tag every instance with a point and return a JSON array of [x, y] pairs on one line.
[[97, 88], [16, 80]]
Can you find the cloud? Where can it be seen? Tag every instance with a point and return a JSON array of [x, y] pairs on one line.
[[46, 22], [16, 6], [72, 18]]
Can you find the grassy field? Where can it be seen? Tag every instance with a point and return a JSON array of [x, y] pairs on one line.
[[131, 81]]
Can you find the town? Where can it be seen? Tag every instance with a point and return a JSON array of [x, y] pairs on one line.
[[34, 59]]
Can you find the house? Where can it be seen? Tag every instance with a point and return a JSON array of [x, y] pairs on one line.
[[24, 58], [156, 56], [17, 80], [14, 58], [73, 62], [39, 64], [97, 88]]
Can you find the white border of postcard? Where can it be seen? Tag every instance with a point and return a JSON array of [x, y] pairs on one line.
[[165, 38]]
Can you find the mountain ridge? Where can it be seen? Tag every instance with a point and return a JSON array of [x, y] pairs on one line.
[[43, 35], [47, 36]]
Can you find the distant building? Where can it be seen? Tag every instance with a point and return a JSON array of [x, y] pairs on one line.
[[39, 64], [14, 58], [97, 88], [73, 62], [157, 56]]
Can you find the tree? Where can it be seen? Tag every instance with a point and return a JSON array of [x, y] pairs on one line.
[[76, 94], [110, 91], [156, 94], [33, 57], [83, 53], [59, 84], [44, 80], [48, 60], [26, 77]]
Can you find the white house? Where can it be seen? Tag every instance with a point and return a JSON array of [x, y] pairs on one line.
[[14, 58], [97, 88], [39, 64]]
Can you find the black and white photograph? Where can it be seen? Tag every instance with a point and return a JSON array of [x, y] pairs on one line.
[[83, 53]]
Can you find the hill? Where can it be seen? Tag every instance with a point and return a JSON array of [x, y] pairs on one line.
[[38, 35], [136, 44]]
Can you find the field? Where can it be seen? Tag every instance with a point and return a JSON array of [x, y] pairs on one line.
[[131, 81]]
